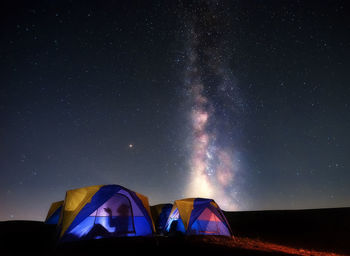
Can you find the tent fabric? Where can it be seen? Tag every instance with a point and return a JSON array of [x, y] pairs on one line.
[[185, 208], [54, 212], [75, 200], [193, 216], [156, 211], [104, 211], [160, 214], [145, 203]]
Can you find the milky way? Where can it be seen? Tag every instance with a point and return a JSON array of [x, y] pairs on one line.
[[214, 102]]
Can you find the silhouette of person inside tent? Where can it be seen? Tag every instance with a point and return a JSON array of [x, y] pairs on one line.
[[119, 222]]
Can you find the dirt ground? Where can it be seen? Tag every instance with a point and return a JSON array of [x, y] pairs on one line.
[[307, 232]]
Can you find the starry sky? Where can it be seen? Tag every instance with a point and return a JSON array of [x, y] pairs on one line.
[[246, 102]]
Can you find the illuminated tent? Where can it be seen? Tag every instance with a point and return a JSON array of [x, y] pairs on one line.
[[104, 211], [54, 212], [197, 216], [160, 214]]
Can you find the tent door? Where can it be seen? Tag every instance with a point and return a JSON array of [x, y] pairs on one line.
[[115, 216]]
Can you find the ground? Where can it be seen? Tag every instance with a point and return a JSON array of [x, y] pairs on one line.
[[308, 232]]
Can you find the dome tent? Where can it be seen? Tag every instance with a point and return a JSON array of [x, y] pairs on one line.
[[197, 216], [54, 212], [104, 211], [160, 214]]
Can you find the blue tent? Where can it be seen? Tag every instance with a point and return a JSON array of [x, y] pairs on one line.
[[160, 214], [104, 211], [197, 216], [54, 212]]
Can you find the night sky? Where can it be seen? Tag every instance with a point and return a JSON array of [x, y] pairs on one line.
[[246, 102]]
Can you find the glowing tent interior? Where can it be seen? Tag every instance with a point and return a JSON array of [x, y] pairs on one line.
[[104, 211], [197, 216]]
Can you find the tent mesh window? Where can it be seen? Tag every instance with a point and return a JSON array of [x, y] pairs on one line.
[[116, 216], [206, 223]]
